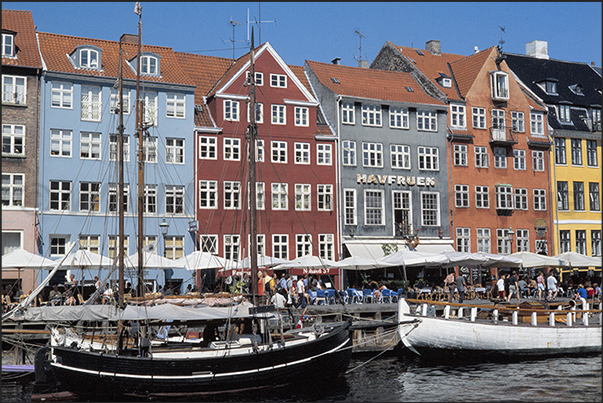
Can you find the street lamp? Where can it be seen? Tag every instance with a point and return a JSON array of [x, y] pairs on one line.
[[510, 235], [164, 230]]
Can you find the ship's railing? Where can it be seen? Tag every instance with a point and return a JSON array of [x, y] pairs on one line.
[[559, 315]]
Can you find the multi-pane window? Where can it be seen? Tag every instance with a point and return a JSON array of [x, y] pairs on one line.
[[427, 121], [591, 153], [259, 150], [504, 197], [560, 154], [323, 154], [280, 246], [430, 209], [150, 149], [13, 139], [208, 148], [595, 239], [278, 80], [499, 84], [428, 158], [278, 115], [398, 118], [113, 246], [460, 155], [564, 114], [8, 45], [503, 243], [90, 196], [150, 199], [325, 246], [89, 59], [349, 206], [302, 153], [348, 151], [521, 199], [58, 245], [479, 118], [540, 199], [113, 197], [482, 197], [498, 124], [537, 124], [500, 157], [174, 199], [174, 151], [61, 95], [564, 241], [60, 142], [519, 160], [542, 246], [114, 101], [149, 65], [461, 195], [301, 116], [402, 212], [208, 194], [517, 121], [579, 196], [232, 149], [303, 245], [209, 243], [347, 113], [90, 146], [90, 243], [12, 189], [457, 116], [175, 105], [372, 155], [91, 103], [231, 110], [232, 195], [279, 151], [373, 207], [325, 197], [260, 195], [523, 240], [483, 240], [303, 196], [14, 89], [581, 241], [371, 115], [593, 195], [400, 156], [149, 98], [60, 195], [259, 112], [174, 247], [113, 147], [481, 157], [463, 239], [562, 195], [576, 151], [279, 196], [538, 161]]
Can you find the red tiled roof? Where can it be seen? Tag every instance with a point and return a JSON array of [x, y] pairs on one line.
[[370, 83], [466, 69], [22, 23], [55, 49]]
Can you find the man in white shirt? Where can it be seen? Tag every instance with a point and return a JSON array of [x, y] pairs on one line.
[[278, 300], [301, 294], [551, 283]]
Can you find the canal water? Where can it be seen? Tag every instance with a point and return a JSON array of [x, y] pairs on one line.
[[405, 378]]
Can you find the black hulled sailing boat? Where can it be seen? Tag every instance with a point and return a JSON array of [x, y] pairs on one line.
[[242, 347]]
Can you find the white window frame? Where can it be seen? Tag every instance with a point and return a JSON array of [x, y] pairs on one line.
[[279, 114], [175, 106], [326, 249], [461, 196], [576, 152], [208, 147], [348, 153], [91, 243], [303, 245], [504, 197], [90, 146], [518, 122], [324, 154], [399, 118], [113, 246], [209, 243], [348, 113], [482, 197], [59, 245], [521, 198], [61, 95], [280, 246], [174, 199], [427, 211], [13, 140], [232, 195], [208, 194], [150, 199], [479, 117], [536, 124], [174, 151], [174, 246], [8, 45], [482, 159], [14, 89], [372, 155], [539, 199], [150, 149], [259, 116], [374, 212], [428, 158], [463, 239], [149, 65], [151, 112], [112, 197], [522, 242], [260, 151], [427, 121], [301, 114], [13, 189], [371, 115], [500, 157], [90, 197], [278, 152], [499, 84], [484, 243], [91, 105], [349, 202], [280, 196], [538, 161], [458, 116], [302, 153], [519, 160], [89, 59], [114, 101], [278, 80], [594, 196], [303, 197], [503, 244], [460, 155], [498, 125], [400, 156], [591, 153], [231, 110], [324, 197], [232, 149], [61, 142], [564, 113], [63, 196], [595, 242]]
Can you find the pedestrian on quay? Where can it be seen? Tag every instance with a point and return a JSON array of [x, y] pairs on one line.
[[449, 282], [551, 283], [513, 287], [540, 285], [500, 284], [301, 295], [460, 287]]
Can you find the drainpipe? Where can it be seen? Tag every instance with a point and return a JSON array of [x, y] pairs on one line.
[[338, 189]]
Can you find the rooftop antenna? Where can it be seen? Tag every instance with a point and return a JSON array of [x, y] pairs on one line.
[[258, 22], [500, 56], [502, 41], [233, 23], [360, 36]]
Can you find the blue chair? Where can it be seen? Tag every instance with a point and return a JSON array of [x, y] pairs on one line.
[[353, 296], [313, 297], [394, 296], [368, 295], [330, 296], [400, 292], [321, 297], [386, 295]]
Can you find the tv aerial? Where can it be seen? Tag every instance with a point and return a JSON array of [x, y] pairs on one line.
[[232, 40], [360, 36]]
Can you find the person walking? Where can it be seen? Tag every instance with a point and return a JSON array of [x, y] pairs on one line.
[[460, 287], [449, 283], [301, 295], [551, 283], [500, 284], [513, 287], [540, 285]]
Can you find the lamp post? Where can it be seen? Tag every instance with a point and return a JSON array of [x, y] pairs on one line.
[[510, 235], [164, 225]]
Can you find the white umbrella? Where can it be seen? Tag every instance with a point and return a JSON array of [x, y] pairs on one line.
[[150, 260], [409, 258], [263, 261], [573, 259], [83, 258], [500, 260], [22, 259], [360, 263], [464, 259], [199, 260], [529, 259], [308, 262]]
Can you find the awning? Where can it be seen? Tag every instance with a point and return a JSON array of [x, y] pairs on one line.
[[371, 249]]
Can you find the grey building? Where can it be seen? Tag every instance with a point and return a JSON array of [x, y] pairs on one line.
[[392, 160]]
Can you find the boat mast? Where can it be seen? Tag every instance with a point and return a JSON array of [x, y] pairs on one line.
[[251, 137], [120, 159], [139, 134]]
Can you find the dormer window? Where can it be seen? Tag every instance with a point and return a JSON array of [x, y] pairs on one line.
[[550, 87], [576, 89], [444, 81], [8, 45], [149, 65], [499, 84], [86, 57]]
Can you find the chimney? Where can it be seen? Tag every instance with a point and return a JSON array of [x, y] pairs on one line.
[[433, 47], [129, 38], [364, 64], [336, 60], [537, 49], [475, 49]]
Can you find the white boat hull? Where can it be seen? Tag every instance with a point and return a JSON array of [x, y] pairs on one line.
[[428, 335]]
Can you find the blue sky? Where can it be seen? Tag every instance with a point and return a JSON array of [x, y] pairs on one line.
[[322, 31]]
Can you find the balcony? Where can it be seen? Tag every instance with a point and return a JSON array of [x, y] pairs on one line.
[[501, 136]]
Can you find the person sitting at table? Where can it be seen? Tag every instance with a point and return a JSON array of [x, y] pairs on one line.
[[108, 294], [55, 296], [70, 297]]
